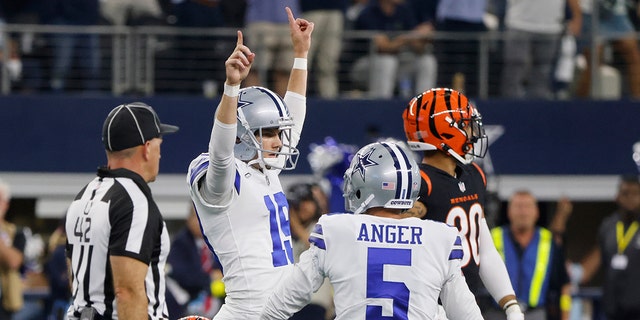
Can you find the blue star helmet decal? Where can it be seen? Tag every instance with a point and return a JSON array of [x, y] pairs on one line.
[[365, 161], [241, 102]]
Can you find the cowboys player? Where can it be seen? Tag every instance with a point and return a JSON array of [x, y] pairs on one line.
[[235, 187], [380, 265]]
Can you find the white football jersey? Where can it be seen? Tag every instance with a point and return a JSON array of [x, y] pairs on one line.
[[250, 234], [380, 267]]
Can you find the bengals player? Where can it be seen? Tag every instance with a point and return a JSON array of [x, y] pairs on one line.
[[444, 125]]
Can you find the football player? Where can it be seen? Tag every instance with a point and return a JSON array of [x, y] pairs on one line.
[[235, 187], [444, 125], [380, 265]]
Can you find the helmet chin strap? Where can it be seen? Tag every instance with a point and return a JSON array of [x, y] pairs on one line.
[[455, 155], [257, 161], [364, 204]]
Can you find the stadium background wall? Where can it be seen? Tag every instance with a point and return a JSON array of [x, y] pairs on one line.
[[51, 147]]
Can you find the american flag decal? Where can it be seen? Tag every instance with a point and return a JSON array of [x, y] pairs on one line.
[[388, 186]]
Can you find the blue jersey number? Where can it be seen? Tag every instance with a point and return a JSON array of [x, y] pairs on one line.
[[378, 288], [282, 254]]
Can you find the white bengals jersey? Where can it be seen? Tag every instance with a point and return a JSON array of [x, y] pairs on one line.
[[249, 233], [379, 267]]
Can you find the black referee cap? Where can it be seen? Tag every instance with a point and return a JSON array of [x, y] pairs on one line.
[[132, 124]]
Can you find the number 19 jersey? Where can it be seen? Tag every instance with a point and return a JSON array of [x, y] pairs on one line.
[[249, 232]]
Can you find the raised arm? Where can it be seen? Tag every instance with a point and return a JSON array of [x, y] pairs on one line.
[[221, 170], [295, 97], [237, 68], [301, 30]]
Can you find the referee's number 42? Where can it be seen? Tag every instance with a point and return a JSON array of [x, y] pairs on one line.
[[82, 228]]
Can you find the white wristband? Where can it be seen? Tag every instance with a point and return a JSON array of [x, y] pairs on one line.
[[231, 91], [300, 63]]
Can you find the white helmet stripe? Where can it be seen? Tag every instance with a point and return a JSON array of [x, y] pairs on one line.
[[403, 170], [277, 101]]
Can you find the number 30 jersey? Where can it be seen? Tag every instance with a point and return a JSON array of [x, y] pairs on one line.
[[458, 201], [248, 229], [379, 268]]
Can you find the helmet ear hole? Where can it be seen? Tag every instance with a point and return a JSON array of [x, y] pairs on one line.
[[358, 195]]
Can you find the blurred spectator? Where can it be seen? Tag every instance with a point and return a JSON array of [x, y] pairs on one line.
[[400, 52], [27, 62], [127, 12], [267, 27], [20, 45], [55, 268], [533, 32], [34, 279], [12, 246], [326, 45], [305, 205], [233, 12], [196, 55], [71, 47], [328, 162], [613, 26], [535, 262], [458, 56], [193, 273], [353, 11], [618, 252]]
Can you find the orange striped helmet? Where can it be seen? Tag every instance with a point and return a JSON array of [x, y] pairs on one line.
[[443, 119]]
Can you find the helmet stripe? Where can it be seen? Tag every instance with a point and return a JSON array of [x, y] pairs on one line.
[[432, 123], [403, 170], [276, 100], [417, 116]]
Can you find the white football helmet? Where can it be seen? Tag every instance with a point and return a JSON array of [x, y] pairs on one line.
[[381, 174], [258, 109]]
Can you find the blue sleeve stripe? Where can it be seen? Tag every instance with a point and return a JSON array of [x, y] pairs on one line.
[[456, 254], [236, 184], [317, 229], [458, 241], [195, 172], [317, 241]]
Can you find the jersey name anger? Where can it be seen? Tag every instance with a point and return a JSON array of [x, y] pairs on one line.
[[397, 265], [250, 234], [457, 201]]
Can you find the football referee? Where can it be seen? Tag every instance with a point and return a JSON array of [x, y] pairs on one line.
[[117, 242]]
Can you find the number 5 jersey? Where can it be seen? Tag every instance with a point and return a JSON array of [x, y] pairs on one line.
[[379, 268]]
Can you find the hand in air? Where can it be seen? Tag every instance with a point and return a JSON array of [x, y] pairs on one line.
[[239, 62], [301, 30]]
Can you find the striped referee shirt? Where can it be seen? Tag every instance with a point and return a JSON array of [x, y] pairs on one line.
[[115, 215]]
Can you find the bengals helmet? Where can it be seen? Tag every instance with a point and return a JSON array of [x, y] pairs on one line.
[[443, 119]]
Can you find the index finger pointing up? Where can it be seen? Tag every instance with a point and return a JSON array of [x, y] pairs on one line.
[[292, 20], [239, 42]]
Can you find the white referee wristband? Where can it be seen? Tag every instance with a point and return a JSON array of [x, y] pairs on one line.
[[300, 63], [231, 91]]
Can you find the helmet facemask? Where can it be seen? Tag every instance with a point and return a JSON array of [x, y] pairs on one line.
[[287, 155], [476, 144]]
